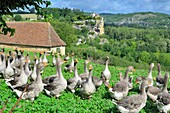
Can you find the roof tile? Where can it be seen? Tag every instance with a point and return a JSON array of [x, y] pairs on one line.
[[39, 34]]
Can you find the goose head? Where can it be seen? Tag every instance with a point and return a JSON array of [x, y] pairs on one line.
[[151, 65], [41, 65], [87, 61], [90, 67], [72, 54], [3, 49], [21, 51], [129, 69], [166, 78], [60, 61], [158, 65], [107, 58], [139, 79], [120, 76], [75, 62]]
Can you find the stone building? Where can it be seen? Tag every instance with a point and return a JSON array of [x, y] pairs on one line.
[[32, 36]]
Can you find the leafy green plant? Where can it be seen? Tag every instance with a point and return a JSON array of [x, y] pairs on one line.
[[72, 103]]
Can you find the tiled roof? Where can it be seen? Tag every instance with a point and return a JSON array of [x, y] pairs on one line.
[[39, 34]]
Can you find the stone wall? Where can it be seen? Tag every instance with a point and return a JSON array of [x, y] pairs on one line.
[[26, 48]]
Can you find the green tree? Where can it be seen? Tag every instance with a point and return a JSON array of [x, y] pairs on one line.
[[145, 56], [65, 31], [18, 18], [6, 6]]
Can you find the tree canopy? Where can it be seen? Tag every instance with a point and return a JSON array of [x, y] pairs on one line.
[[6, 7]]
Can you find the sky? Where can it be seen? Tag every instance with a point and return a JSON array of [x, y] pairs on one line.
[[115, 6]]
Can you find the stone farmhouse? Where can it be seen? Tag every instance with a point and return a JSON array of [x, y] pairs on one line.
[[31, 36]]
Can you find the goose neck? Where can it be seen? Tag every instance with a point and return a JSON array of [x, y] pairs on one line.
[[85, 68], [60, 72], [90, 77], [165, 84], [35, 66], [75, 71], [159, 71], [45, 56], [38, 78], [142, 89], [126, 77], [150, 72], [107, 62]]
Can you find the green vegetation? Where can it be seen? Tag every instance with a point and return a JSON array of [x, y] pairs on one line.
[[72, 103], [7, 6], [17, 18], [66, 15], [137, 45]]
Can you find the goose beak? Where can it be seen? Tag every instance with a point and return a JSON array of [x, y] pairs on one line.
[[88, 61], [90, 67], [107, 85], [154, 78], [26, 61], [45, 64], [41, 52], [64, 61], [76, 60], [137, 81], [72, 54], [107, 57]]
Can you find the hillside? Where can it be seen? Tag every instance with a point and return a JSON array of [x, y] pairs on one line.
[[138, 20]]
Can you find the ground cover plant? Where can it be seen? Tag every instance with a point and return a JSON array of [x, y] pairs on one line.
[[72, 103]]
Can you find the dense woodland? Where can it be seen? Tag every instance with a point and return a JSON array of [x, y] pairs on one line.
[[128, 43]]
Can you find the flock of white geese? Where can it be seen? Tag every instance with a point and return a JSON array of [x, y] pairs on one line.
[[27, 81]]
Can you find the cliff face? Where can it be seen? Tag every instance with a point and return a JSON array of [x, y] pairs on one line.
[[139, 20], [101, 26]]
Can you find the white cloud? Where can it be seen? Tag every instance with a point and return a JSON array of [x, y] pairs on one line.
[[115, 6]]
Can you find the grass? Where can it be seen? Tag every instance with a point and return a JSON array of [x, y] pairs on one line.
[[69, 102]]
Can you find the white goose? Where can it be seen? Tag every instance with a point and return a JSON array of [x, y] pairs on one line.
[[159, 78], [163, 100], [88, 88], [28, 69], [133, 103], [106, 73], [53, 59], [9, 71], [85, 75], [121, 88], [18, 80], [76, 81], [45, 57], [70, 67], [51, 78], [149, 78], [58, 84], [34, 72], [152, 91], [34, 88], [3, 64]]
